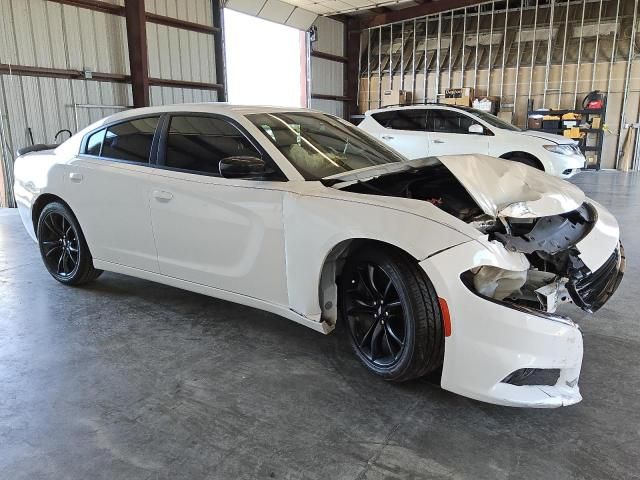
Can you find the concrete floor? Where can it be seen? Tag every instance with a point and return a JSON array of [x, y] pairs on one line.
[[130, 379]]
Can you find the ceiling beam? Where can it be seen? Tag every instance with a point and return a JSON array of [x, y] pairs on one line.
[[428, 8]]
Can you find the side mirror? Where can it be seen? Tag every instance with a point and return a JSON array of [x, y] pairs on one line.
[[243, 167], [476, 129]]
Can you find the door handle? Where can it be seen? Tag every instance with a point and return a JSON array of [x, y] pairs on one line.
[[75, 177], [387, 137], [162, 196], [438, 141]]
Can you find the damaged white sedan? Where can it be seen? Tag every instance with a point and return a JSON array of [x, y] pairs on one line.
[[454, 263]]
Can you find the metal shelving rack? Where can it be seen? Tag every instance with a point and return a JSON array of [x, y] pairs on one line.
[[587, 115]]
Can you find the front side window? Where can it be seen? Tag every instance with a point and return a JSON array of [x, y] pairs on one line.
[[131, 140], [448, 121], [319, 145], [410, 119], [495, 121], [198, 144]]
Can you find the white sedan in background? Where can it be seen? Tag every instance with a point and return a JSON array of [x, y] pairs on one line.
[[454, 263], [418, 131]]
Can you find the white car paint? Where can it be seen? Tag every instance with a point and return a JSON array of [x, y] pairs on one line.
[[273, 245], [494, 141]]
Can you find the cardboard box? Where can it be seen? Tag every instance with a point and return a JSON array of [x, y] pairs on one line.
[[395, 97], [595, 122], [487, 104], [572, 132], [459, 96]]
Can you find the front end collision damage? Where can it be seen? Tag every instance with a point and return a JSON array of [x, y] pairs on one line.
[[541, 243], [491, 339]]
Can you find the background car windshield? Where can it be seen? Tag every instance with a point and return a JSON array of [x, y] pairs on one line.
[[494, 121], [319, 145]]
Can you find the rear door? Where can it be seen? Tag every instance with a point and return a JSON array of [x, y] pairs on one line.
[[107, 189], [405, 131], [449, 133]]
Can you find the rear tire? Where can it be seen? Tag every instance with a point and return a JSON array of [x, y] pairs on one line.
[[63, 247], [392, 314]]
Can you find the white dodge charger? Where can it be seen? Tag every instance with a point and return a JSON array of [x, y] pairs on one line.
[[452, 264]]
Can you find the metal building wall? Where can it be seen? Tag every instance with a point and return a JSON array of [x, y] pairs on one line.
[[327, 76], [179, 54], [52, 35], [507, 49], [49, 34]]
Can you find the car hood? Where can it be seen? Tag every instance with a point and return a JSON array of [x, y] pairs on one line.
[[559, 139], [510, 189], [499, 187]]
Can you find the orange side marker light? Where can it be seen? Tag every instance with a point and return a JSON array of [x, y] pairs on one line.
[[446, 317]]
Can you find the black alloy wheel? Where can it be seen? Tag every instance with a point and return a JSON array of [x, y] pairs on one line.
[[392, 313], [63, 247], [375, 314], [60, 245]]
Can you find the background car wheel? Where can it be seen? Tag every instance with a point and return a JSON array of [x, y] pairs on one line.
[[63, 248], [531, 161], [392, 314]]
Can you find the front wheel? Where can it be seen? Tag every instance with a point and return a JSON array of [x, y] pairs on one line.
[[63, 248], [527, 161], [392, 314]]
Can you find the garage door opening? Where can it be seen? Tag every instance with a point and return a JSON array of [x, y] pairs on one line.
[[265, 62]]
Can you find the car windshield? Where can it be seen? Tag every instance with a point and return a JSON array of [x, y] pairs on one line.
[[493, 120], [319, 145]]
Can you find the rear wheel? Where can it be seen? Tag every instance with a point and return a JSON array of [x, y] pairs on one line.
[[392, 313], [63, 247]]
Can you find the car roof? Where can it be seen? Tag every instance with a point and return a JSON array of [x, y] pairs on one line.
[[211, 107], [419, 106]]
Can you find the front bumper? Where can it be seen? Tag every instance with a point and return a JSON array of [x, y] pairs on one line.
[[489, 341], [565, 166]]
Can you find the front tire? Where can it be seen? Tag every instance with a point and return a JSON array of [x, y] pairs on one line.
[[63, 247], [392, 314], [532, 162]]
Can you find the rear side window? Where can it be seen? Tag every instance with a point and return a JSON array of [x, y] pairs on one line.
[[130, 141], [198, 144], [413, 120], [448, 121]]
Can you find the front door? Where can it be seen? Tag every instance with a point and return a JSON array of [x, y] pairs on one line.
[[223, 233], [449, 134]]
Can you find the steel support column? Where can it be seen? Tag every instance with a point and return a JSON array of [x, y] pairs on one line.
[[218, 46], [352, 78], [138, 56]]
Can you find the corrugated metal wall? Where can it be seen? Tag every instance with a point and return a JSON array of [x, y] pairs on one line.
[[41, 33], [46, 34], [179, 54], [327, 76]]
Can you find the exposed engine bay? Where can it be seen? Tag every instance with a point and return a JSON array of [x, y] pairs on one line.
[[556, 274]]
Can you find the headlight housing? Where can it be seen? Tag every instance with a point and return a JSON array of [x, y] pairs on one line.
[[563, 149]]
